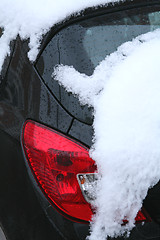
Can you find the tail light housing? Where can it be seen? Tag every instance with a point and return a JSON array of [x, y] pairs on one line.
[[55, 160], [63, 170]]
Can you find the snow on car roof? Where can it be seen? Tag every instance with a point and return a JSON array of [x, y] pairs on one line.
[[31, 19]]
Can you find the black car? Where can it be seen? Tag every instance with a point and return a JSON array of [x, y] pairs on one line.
[[45, 133]]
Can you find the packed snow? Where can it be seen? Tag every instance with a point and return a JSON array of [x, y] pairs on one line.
[[124, 91]]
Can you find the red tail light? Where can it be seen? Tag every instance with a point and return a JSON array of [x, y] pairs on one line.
[[56, 161]]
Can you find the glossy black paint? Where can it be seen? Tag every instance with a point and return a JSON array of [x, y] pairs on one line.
[[24, 95], [25, 214], [21, 214]]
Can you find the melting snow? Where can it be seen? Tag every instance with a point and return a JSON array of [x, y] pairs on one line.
[[124, 91]]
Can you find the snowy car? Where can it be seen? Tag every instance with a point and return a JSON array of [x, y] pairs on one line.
[[46, 173]]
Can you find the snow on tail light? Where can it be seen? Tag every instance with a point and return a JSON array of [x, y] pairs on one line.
[[63, 170]]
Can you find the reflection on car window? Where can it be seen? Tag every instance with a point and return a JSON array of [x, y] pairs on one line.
[[100, 41]]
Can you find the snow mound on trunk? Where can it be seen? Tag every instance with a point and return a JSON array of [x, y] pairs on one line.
[[125, 93]]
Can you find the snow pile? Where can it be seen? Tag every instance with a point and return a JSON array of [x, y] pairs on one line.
[[31, 19], [125, 93]]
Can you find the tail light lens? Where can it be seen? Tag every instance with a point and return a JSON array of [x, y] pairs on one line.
[[63, 170], [55, 161]]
